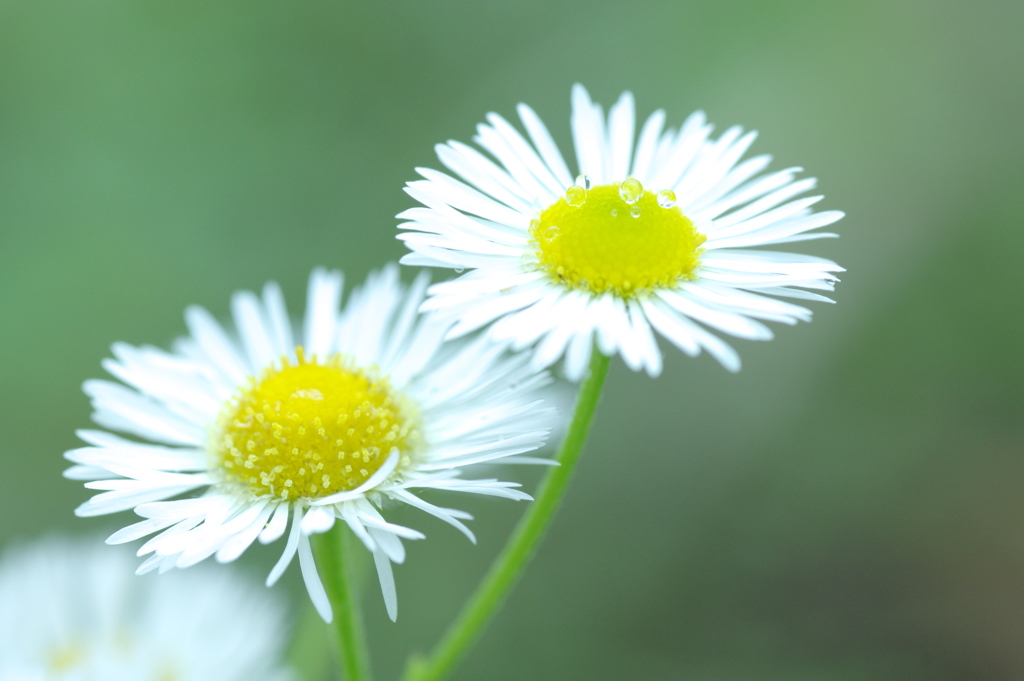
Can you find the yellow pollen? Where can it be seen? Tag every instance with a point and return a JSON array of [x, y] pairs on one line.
[[618, 238], [297, 430]]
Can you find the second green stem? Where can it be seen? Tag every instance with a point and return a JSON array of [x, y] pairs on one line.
[[336, 558], [522, 544]]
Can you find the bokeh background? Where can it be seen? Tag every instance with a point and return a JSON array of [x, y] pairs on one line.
[[848, 507]]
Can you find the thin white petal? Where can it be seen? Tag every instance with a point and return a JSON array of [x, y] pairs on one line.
[[588, 135], [545, 145], [313, 584], [277, 315], [323, 299], [378, 477], [387, 583], [237, 545], [277, 525], [215, 344], [317, 521], [449, 515], [646, 146], [289, 549], [253, 329], [621, 127]]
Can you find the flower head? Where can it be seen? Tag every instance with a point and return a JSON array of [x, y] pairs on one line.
[[74, 612], [657, 233], [274, 425]]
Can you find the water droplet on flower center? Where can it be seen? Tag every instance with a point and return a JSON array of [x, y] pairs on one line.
[[575, 196], [620, 239], [631, 190]]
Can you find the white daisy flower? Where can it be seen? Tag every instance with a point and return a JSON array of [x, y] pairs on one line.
[[73, 612], [655, 233], [276, 424]]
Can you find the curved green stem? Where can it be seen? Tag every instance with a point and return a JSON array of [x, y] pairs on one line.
[[336, 559], [521, 545]]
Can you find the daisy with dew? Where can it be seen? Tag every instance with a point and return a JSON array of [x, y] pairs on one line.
[[284, 431], [74, 612], [660, 232]]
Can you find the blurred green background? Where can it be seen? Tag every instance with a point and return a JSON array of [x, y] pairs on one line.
[[848, 507]]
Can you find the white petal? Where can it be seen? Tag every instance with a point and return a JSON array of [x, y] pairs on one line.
[[651, 356], [387, 583], [313, 584], [731, 323], [404, 322], [215, 345], [545, 145], [449, 515], [577, 356], [669, 165], [461, 196], [684, 333], [765, 203], [621, 127], [526, 155], [588, 135], [476, 169], [378, 477], [120, 408], [277, 525], [253, 329], [235, 546], [647, 145], [323, 299], [139, 530], [277, 315], [317, 521], [123, 500], [289, 549], [706, 181]]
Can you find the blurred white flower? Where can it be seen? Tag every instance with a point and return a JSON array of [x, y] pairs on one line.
[[75, 612], [653, 235], [360, 406]]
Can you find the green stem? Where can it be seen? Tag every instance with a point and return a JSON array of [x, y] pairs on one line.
[[336, 559], [521, 545]]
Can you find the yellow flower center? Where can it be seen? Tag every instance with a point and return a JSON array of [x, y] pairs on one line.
[[312, 429], [616, 237]]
